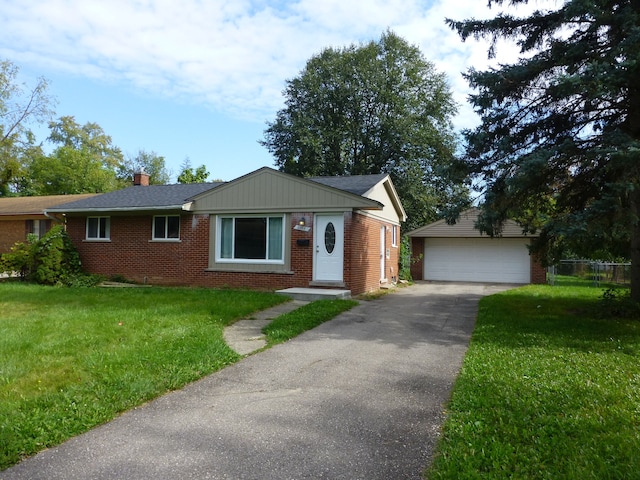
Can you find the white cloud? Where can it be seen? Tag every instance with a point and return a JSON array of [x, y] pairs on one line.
[[234, 56]]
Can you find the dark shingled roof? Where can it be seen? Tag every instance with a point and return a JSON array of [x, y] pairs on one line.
[[356, 184], [174, 196], [136, 197]]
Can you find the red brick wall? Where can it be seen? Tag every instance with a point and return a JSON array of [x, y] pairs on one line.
[[11, 231], [362, 253], [538, 272], [132, 255], [417, 258]]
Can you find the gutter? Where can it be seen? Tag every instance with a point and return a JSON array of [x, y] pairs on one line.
[[185, 206], [55, 218]]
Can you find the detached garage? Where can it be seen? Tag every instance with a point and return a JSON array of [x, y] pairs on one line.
[[459, 253]]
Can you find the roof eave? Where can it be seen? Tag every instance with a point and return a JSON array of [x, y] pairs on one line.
[[181, 206]]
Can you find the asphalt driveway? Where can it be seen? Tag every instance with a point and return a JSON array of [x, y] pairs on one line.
[[360, 397]]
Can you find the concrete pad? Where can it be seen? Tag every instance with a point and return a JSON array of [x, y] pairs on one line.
[[313, 294]]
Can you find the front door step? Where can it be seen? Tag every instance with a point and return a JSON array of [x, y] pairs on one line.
[[312, 294]]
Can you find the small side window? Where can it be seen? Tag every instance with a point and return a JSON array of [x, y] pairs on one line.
[[166, 227], [98, 228]]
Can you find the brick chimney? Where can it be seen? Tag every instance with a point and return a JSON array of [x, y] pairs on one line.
[[141, 178]]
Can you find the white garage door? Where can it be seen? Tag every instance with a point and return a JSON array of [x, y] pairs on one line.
[[503, 260]]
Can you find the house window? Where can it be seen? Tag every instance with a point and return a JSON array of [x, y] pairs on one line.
[[394, 235], [251, 239], [98, 228], [166, 227], [38, 227]]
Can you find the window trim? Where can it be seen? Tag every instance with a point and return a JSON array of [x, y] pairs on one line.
[[107, 237], [394, 235], [249, 261], [166, 238]]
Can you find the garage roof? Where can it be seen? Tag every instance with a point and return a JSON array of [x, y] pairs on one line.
[[465, 228]]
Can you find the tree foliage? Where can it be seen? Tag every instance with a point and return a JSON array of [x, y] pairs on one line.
[[189, 175], [19, 106], [149, 162], [372, 108], [559, 142], [83, 161]]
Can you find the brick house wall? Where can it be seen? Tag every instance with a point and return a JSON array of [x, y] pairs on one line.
[[538, 272], [17, 229], [11, 231], [417, 258], [130, 253], [362, 253]]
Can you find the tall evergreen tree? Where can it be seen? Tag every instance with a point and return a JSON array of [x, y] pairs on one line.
[[372, 108], [559, 143]]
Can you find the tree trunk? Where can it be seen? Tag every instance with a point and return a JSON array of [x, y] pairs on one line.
[[635, 245]]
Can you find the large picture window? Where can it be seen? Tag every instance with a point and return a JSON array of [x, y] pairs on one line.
[[259, 239], [98, 228], [166, 227]]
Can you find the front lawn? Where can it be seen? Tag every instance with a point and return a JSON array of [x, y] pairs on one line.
[[549, 389], [73, 358]]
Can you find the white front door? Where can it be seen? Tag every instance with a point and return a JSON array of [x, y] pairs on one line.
[[329, 248]]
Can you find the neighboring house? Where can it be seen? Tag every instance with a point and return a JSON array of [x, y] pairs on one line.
[[266, 230], [20, 216], [460, 253]]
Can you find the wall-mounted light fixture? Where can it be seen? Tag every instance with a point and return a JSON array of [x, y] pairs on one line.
[[302, 225]]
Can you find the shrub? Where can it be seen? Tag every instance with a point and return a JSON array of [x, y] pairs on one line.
[[49, 260], [616, 303], [406, 260], [20, 258]]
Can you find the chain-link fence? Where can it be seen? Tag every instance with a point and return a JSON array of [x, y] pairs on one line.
[[589, 272]]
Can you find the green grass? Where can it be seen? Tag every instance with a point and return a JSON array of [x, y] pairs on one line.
[[304, 318], [547, 390], [73, 358]]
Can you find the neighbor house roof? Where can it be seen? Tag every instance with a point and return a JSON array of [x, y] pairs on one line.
[[13, 206], [138, 197], [465, 228]]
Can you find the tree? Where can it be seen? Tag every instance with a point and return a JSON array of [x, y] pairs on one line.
[[84, 161], [17, 109], [149, 162], [366, 109], [559, 142], [188, 175]]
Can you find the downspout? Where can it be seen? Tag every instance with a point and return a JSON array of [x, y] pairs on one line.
[[61, 219]]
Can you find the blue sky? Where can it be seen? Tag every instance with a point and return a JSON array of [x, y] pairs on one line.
[[199, 78]]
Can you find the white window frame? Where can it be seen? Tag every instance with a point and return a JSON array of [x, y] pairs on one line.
[[107, 229], [394, 235], [166, 238], [220, 259]]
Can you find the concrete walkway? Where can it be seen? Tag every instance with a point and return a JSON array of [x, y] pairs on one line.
[[245, 336], [359, 397]]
